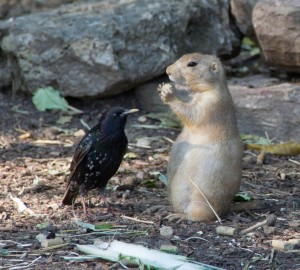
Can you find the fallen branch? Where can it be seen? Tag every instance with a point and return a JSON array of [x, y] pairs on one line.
[[137, 220], [269, 221], [24, 265], [230, 231]]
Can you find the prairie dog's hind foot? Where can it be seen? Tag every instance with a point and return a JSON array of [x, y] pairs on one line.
[[178, 217], [166, 92]]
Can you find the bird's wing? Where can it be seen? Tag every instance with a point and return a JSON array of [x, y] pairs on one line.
[[80, 153]]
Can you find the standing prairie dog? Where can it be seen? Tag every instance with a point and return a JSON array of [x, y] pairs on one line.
[[204, 169]]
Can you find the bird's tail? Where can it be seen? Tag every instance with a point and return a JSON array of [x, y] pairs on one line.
[[70, 194]]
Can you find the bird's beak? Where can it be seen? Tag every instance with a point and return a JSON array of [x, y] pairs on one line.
[[129, 111]]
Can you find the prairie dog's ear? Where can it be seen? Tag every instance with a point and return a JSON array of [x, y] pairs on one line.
[[214, 67]]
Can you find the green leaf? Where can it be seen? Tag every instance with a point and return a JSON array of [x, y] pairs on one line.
[[255, 51], [247, 41], [250, 139], [43, 225], [103, 226], [163, 178], [242, 197], [130, 155], [4, 252], [49, 98], [149, 183]]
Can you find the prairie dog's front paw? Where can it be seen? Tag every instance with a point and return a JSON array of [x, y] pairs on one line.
[[165, 91]]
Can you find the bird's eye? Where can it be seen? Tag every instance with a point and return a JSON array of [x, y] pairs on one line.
[[192, 64]]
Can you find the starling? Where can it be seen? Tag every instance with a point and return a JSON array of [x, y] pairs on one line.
[[98, 156]]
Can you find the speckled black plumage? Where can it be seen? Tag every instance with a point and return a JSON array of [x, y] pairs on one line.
[[98, 155]]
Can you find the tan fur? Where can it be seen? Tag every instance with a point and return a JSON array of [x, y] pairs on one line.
[[208, 151]]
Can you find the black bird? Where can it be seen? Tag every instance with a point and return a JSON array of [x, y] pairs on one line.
[[98, 156]]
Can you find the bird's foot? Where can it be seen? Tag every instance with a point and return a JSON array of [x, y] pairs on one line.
[[87, 215], [178, 217], [107, 204]]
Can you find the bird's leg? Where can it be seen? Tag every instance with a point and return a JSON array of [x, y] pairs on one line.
[[86, 213], [105, 201]]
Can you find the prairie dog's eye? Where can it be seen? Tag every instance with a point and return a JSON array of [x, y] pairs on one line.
[[191, 64]]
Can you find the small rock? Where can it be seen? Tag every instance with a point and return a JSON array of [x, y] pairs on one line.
[[269, 229], [129, 180], [142, 119], [249, 159], [140, 175], [283, 176], [166, 231], [143, 142], [40, 237], [79, 133]]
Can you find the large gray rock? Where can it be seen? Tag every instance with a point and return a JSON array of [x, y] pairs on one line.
[[241, 10], [15, 8], [262, 104], [106, 47], [272, 109], [277, 27]]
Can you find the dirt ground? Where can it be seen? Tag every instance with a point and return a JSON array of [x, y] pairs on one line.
[[36, 152]]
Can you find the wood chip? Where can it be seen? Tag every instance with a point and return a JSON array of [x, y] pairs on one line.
[[226, 230], [52, 242]]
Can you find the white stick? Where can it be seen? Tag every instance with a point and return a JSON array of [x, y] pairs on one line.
[[217, 216], [138, 220]]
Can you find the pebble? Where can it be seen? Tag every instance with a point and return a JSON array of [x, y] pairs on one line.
[[166, 231]]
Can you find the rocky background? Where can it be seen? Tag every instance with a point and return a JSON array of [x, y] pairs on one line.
[[102, 48], [99, 54]]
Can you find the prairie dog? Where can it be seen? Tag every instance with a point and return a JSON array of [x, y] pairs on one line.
[[206, 156]]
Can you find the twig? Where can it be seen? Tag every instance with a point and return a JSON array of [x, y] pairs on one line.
[[271, 256], [137, 220], [250, 153], [149, 126], [294, 161], [74, 110], [168, 139], [270, 220], [200, 238], [52, 142], [140, 146], [24, 265], [85, 124], [217, 216], [54, 247], [19, 245]]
